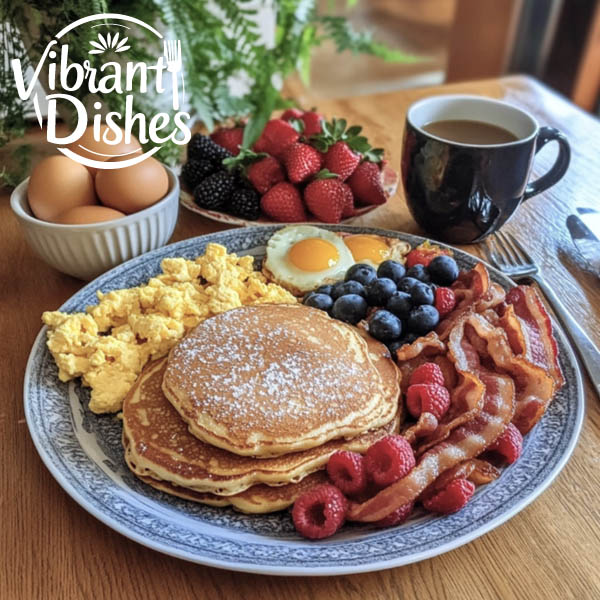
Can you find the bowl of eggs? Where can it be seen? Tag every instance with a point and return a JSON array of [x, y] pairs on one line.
[[84, 221]]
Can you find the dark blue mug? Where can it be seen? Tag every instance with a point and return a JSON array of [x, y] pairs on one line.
[[461, 193]]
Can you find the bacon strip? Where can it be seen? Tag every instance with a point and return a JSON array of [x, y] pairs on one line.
[[480, 472], [465, 442], [540, 344], [422, 350], [534, 384]]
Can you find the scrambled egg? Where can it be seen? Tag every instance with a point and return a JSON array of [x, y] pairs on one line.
[[108, 345]]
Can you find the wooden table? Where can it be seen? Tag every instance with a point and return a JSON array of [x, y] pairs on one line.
[[51, 548]]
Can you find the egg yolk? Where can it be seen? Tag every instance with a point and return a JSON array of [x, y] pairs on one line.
[[367, 247], [313, 254]]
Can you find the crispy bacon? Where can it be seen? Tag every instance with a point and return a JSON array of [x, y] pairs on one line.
[[426, 425], [534, 384], [463, 443], [480, 472], [422, 350], [540, 344]]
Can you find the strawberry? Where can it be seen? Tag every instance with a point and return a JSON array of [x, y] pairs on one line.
[[292, 113], [326, 198], [276, 137], [265, 173], [366, 184], [283, 203], [349, 205], [301, 162], [229, 138], [312, 123], [341, 159]]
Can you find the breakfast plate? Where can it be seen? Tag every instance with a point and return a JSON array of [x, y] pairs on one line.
[[390, 181], [83, 452]]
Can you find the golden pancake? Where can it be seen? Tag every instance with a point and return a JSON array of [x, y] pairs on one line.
[[272, 379], [160, 445]]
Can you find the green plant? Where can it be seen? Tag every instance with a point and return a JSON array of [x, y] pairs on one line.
[[220, 41]]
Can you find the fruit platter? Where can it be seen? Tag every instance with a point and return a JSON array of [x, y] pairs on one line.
[[302, 168]]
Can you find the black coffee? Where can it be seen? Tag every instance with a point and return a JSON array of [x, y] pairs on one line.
[[470, 132]]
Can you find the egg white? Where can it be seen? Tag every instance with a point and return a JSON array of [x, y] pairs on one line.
[[281, 270]]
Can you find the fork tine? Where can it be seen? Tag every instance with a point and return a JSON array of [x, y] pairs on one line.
[[487, 251], [503, 241], [178, 50], [519, 249], [499, 251], [165, 50]]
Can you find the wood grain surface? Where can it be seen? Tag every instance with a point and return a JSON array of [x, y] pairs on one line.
[[52, 548]]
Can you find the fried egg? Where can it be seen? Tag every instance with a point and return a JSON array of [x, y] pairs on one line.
[[374, 249], [302, 257]]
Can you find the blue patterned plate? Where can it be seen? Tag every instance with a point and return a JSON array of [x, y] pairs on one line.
[[83, 452]]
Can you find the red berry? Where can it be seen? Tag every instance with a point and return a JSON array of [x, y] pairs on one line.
[[397, 517], [389, 460], [509, 445], [283, 203], [292, 113], [276, 137], [320, 512], [366, 183], [301, 162], [326, 198], [427, 397], [341, 159], [452, 498], [265, 173], [445, 300], [230, 139], [348, 210], [312, 123], [419, 257], [347, 471], [427, 373]]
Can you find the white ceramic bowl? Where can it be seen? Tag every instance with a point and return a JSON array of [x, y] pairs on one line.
[[85, 251]]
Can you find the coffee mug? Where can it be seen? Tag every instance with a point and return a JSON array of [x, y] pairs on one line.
[[462, 192]]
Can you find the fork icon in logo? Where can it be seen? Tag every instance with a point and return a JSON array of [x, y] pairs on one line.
[[172, 52]]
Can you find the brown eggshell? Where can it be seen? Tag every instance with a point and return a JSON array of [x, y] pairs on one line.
[[83, 215], [56, 184], [99, 148], [132, 188]]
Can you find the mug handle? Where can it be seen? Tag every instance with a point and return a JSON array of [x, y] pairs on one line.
[[545, 135]]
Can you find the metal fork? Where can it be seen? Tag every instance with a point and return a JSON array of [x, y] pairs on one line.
[[172, 52], [508, 255]]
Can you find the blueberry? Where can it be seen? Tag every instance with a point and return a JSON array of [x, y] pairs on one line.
[[392, 270], [421, 294], [385, 326], [316, 300], [423, 319], [379, 291], [394, 346], [443, 270], [419, 272], [407, 283], [348, 287], [400, 304], [350, 308], [324, 289], [362, 273]]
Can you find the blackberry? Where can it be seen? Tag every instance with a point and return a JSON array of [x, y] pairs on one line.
[[245, 203], [202, 147], [195, 171], [214, 192]]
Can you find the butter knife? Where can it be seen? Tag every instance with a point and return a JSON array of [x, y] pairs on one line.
[[586, 242]]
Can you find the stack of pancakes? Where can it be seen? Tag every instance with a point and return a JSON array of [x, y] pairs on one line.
[[247, 409]]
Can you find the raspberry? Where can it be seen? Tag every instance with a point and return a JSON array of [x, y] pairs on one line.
[[419, 257], [389, 460], [452, 498], [445, 300], [509, 445], [427, 397], [397, 517], [427, 373], [320, 512], [347, 471]]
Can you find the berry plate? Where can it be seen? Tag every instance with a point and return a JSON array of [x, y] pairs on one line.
[[83, 452], [390, 184]]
